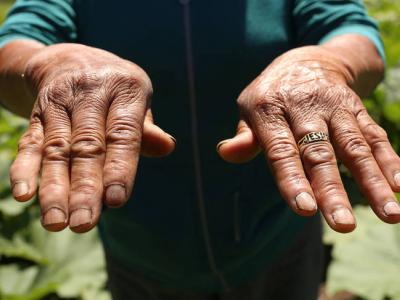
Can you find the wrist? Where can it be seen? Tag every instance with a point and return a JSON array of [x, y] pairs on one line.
[[323, 61], [14, 92], [362, 60], [339, 60], [310, 63]]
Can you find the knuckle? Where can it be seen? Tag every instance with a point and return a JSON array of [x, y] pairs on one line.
[[375, 135], [329, 187], [88, 146], [56, 149], [131, 86], [265, 104], [56, 90], [31, 140], [269, 113], [57, 94], [52, 189], [242, 100], [257, 98], [138, 72], [366, 172], [125, 132], [280, 149], [86, 186], [117, 169], [86, 78], [355, 148], [317, 154], [141, 77], [296, 178], [375, 179]]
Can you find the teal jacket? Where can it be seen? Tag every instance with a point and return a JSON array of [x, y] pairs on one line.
[[241, 224]]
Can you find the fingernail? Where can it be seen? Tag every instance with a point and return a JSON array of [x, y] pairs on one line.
[[220, 144], [54, 216], [173, 139], [20, 189], [343, 216], [115, 195], [80, 217], [391, 208], [397, 179], [304, 201]]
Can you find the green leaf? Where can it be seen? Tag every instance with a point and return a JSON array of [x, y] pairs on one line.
[[76, 261], [71, 263], [20, 248], [94, 294], [11, 208], [392, 112], [366, 262], [4, 6], [19, 284], [12, 279]]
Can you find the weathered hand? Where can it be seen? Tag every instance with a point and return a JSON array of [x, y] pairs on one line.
[[85, 134], [307, 90]]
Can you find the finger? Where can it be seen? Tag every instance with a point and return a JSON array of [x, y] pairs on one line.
[[278, 144], [54, 184], [24, 171], [385, 156], [356, 154], [155, 141], [88, 149], [123, 137], [242, 148], [321, 167]]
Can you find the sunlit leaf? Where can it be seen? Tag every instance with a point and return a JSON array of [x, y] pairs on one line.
[[94, 294], [72, 263], [19, 284], [11, 207], [366, 262], [13, 279], [20, 248], [392, 112]]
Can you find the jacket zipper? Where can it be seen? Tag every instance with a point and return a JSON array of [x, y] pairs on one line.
[[195, 144]]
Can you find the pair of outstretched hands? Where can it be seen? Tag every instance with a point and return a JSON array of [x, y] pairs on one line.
[[92, 119]]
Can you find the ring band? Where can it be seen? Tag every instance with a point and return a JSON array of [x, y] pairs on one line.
[[312, 137]]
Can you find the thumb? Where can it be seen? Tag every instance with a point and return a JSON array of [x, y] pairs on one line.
[[242, 148], [155, 141]]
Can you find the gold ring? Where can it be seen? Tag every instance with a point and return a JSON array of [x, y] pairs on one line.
[[312, 137]]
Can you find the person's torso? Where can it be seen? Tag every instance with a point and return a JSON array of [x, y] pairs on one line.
[[233, 41]]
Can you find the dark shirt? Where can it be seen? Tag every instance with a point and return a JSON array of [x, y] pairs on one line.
[[161, 232]]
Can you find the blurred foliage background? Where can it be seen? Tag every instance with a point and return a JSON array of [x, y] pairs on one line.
[[35, 264]]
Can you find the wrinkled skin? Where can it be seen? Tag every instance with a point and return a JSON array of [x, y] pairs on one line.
[[307, 90], [91, 120], [85, 134]]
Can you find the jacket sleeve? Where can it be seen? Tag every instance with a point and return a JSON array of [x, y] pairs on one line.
[[317, 21], [47, 21]]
